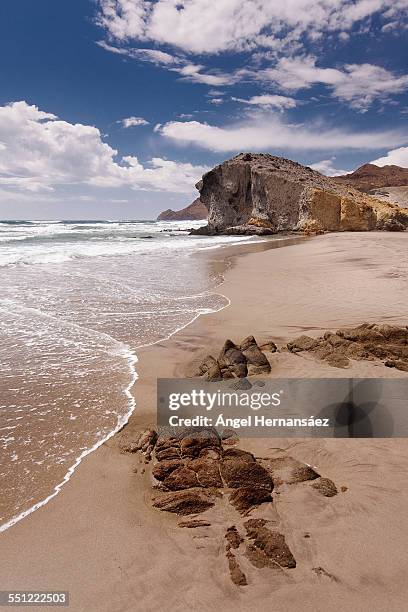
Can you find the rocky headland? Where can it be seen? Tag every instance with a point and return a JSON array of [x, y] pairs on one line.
[[262, 194], [370, 177], [196, 211]]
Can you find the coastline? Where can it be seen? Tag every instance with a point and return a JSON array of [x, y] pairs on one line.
[[93, 518]]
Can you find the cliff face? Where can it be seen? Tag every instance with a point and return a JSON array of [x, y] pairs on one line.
[[370, 177], [263, 194], [196, 211]]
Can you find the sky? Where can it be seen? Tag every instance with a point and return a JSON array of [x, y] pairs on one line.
[[113, 109]]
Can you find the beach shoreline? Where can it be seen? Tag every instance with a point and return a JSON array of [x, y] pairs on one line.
[[100, 539]]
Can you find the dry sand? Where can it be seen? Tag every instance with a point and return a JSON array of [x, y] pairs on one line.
[[101, 540]]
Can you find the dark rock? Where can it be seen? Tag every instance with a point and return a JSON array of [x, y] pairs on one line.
[[164, 468], [229, 436], [237, 453], [144, 442], [192, 445], [303, 343], [245, 498], [270, 347], [325, 486], [191, 501], [172, 452], [194, 523], [237, 575], [242, 384], [233, 538], [256, 360], [210, 367], [207, 472], [272, 544], [232, 359], [240, 473], [181, 478]]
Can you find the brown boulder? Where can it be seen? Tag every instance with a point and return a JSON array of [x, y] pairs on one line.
[[237, 453], [241, 473], [246, 498], [272, 544], [233, 538], [164, 468], [325, 486], [207, 472], [237, 575], [192, 444], [181, 478], [303, 343], [191, 501], [232, 360], [194, 523], [172, 452], [210, 368], [256, 360]]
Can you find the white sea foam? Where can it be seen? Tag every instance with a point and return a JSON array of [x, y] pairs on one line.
[[99, 292]]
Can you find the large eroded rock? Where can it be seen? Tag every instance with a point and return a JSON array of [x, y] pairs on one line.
[[262, 194]]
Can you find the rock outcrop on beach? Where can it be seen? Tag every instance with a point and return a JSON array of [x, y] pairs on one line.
[[196, 211], [263, 194], [235, 361], [194, 473], [370, 342], [370, 177]]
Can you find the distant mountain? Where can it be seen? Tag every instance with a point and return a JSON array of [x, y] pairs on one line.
[[370, 177], [197, 211]]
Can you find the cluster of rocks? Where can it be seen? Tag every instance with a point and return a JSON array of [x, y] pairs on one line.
[[257, 194], [369, 341], [236, 361], [195, 471]]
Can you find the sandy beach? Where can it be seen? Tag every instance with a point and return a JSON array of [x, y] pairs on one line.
[[101, 540]]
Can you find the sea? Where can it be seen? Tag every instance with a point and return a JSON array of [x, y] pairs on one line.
[[77, 301]]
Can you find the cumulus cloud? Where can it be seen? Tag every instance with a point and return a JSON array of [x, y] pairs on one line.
[[358, 84], [39, 152], [396, 157], [274, 32], [326, 167], [203, 27], [269, 101], [133, 122], [269, 132]]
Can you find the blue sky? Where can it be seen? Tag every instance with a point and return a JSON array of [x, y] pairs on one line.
[[114, 108]]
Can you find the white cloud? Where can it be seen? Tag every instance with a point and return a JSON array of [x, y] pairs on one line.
[[40, 152], [326, 167], [269, 101], [358, 84], [268, 132], [396, 157], [133, 122], [203, 26], [188, 70]]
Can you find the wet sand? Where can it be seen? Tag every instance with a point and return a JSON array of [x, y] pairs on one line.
[[101, 540]]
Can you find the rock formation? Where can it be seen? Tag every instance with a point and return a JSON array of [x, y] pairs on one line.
[[196, 211], [370, 342], [262, 194], [194, 474], [235, 361], [370, 177]]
